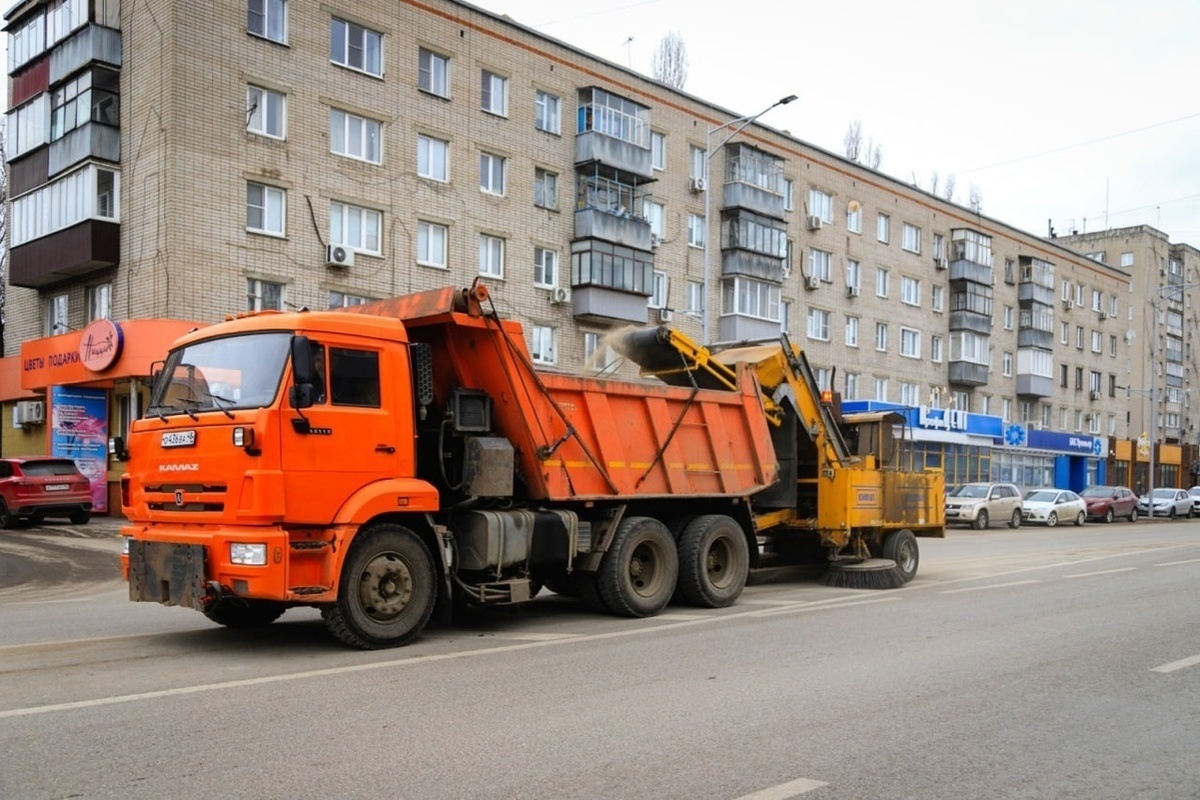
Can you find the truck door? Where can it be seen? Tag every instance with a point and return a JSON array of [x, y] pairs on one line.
[[358, 430]]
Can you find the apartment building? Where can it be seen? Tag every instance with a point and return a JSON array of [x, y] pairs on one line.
[[173, 163]]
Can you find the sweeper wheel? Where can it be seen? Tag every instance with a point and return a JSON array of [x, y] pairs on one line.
[[871, 573]]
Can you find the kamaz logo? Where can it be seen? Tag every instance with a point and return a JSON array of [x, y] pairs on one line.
[[178, 467]]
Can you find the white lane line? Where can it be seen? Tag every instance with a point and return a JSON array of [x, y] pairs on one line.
[[785, 790], [675, 616], [1101, 572], [1177, 563], [985, 588], [821, 605], [1182, 663], [532, 637]]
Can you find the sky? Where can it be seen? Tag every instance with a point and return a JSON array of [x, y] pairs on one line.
[[1084, 116]]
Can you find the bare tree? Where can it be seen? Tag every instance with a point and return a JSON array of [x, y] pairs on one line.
[[975, 200], [670, 64], [948, 191], [874, 154], [852, 143]]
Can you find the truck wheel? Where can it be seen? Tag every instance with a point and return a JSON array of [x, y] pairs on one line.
[[387, 591], [637, 575], [714, 561], [245, 613], [901, 547]]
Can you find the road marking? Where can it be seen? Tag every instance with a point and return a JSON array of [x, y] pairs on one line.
[[1176, 563], [1101, 572], [984, 588], [1182, 663], [820, 605], [673, 616], [785, 790], [532, 637]]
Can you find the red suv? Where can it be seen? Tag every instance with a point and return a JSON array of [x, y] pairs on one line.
[[38, 487]]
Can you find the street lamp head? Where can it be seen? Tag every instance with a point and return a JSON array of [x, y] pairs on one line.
[[786, 100]]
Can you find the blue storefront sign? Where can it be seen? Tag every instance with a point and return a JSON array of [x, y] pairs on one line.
[[926, 418]]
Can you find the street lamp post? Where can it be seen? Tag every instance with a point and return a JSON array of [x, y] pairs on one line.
[[709, 150]]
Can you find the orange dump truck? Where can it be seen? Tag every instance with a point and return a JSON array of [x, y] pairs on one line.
[[382, 464]]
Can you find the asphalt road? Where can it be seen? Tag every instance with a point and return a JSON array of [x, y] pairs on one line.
[[1031, 663]]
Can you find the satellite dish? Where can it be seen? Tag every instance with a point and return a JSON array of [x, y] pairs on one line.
[[853, 206]]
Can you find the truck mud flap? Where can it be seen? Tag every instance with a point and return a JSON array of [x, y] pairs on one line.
[[167, 573]]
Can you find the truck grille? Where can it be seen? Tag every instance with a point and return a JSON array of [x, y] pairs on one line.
[[186, 497]]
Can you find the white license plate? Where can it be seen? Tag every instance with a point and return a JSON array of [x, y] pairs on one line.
[[57, 487], [178, 438]]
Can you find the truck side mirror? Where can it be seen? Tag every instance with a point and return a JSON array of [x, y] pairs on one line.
[[301, 360], [300, 395]]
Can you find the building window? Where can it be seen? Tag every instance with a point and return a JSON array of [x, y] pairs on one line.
[[355, 227], [545, 188], [432, 239], [656, 215], [266, 207], [545, 267], [1008, 318], [91, 96], [1064, 332], [911, 240], [789, 194], [883, 228], [263, 295], [491, 256], [598, 356], [433, 158], [881, 389], [268, 19], [854, 216], [1064, 375], [935, 349], [910, 343], [494, 93], [695, 297], [818, 264], [853, 274], [266, 112], [354, 136], [658, 150], [1126, 259], [881, 282], [909, 394], [881, 336], [939, 246], [658, 297], [818, 324], [697, 160], [1078, 337], [1097, 342], [433, 73], [820, 205], [542, 345], [851, 331], [491, 173], [910, 291], [851, 386], [751, 298], [695, 230], [785, 315], [548, 112], [343, 300], [99, 300], [87, 193], [356, 47], [56, 315], [1079, 379], [938, 298], [1006, 364]]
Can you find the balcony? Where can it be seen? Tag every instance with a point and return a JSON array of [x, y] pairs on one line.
[[607, 209], [90, 45], [1029, 293], [752, 265], [967, 373], [1034, 385], [89, 141], [610, 282], [963, 270], [739, 194], [613, 136], [741, 328], [66, 255], [966, 320], [1031, 337]]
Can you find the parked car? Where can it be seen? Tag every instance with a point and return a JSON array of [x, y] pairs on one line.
[[1195, 493], [37, 487], [1052, 506], [1109, 502], [1170, 503], [980, 504]]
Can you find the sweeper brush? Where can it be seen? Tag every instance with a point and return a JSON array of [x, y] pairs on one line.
[[872, 573]]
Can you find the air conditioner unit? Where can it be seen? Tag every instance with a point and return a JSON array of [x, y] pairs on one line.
[[560, 294], [941, 263], [852, 290], [1094, 394], [339, 255], [815, 223], [1066, 304], [1033, 425], [664, 315], [654, 241], [698, 185], [1103, 316], [29, 412], [813, 282]]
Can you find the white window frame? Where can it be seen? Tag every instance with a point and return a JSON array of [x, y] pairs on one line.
[[881, 282], [910, 394], [852, 326], [99, 301], [542, 344], [881, 389], [854, 217], [883, 228], [267, 11], [881, 337], [819, 264], [545, 267], [545, 188], [937, 298], [356, 137], [491, 255], [655, 213], [433, 241], [851, 391], [547, 112], [695, 297], [57, 313], [910, 342], [271, 203], [371, 44], [935, 349], [910, 290], [820, 204], [433, 72], [1006, 364], [817, 324], [493, 93], [433, 158], [274, 104], [257, 291], [695, 230], [658, 151], [493, 172], [911, 238], [356, 227]]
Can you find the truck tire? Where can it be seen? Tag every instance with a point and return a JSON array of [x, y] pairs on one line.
[[637, 575], [245, 613], [387, 591], [714, 561], [901, 547]]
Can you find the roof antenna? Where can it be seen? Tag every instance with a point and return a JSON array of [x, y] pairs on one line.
[[629, 52]]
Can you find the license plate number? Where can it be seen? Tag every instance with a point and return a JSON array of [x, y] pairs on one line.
[[57, 487], [179, 438]]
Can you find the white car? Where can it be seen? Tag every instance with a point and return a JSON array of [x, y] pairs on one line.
[[1169, 503], [1051, 506]]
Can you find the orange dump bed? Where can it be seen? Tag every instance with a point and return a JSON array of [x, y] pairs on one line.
[[588, 438]]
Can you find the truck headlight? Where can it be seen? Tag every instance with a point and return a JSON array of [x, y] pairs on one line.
[[126, 545], [253, 555]]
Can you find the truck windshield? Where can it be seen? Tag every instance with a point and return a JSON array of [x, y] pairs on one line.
[[221, 374]]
